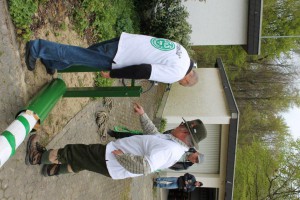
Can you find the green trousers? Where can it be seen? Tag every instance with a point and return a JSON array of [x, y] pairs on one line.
[[84, 157]]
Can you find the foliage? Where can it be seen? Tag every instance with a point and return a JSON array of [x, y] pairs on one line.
[[263, 91], [280, 18], [106, 19], [263, 86], [163, 124], [264, 173], [261, 125], [205, 56], [99, 81], [22, 12], [165, 19]]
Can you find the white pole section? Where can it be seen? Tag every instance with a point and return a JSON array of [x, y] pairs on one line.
[[15, 134]]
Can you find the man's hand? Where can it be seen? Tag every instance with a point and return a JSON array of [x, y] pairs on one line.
[[117, 152], [138, 109], [105, 74]]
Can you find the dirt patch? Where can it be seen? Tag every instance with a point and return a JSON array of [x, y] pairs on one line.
[[53, 24]]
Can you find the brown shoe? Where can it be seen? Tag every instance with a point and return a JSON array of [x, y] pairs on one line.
[[51, 170], [34, 150]]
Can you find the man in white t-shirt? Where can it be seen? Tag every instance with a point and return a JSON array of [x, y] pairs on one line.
[[131, 56], [123, 158]]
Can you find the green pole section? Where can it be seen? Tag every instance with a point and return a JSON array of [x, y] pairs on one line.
[[46, 99], [104, 92]]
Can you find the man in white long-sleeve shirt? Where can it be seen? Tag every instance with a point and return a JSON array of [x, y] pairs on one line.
[[130, 56], [123, 158]]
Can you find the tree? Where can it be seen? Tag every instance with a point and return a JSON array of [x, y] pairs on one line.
[[264, 85], [280, 18], [269, 127], [262, 92], [262, 172], [166, 19]]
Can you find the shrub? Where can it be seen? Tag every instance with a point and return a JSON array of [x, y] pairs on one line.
[[163, 124], [106, 19], [22, 12], [166, 19]]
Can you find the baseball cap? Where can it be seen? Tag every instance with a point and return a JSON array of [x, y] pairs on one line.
[[197, 131]]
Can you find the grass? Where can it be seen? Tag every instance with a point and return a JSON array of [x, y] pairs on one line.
[[103, 19], [102, 82], [63, 26], [98, 20], [22, 12]]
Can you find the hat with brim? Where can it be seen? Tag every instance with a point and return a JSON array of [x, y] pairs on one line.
[[197, 131]]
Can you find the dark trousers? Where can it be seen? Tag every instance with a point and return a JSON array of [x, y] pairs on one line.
[[84, 157]]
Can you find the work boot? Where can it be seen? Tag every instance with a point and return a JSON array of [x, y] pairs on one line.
[[34, 150], [49, 70], [29, 60]]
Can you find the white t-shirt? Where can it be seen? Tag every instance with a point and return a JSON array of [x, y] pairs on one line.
[[169, 60], [159, 151]]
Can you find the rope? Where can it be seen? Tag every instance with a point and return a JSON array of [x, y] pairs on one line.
[[102, 118], [108, 103], [101, 121]]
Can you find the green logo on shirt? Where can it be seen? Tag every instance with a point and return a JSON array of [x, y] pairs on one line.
[[162, 44]]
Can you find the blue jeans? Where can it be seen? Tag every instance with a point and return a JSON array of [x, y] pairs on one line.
[[167, 182], [60, 56]]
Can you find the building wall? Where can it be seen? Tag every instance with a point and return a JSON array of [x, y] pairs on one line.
[[206, 100], [218, 22]]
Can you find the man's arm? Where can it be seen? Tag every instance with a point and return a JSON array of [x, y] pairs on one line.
[[188, 176], [142, 71], [132, 163], [178, 166], [147, 125], [181, 166]]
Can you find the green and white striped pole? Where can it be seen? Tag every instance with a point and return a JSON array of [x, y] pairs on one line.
[[14, 135], [35, 113]]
